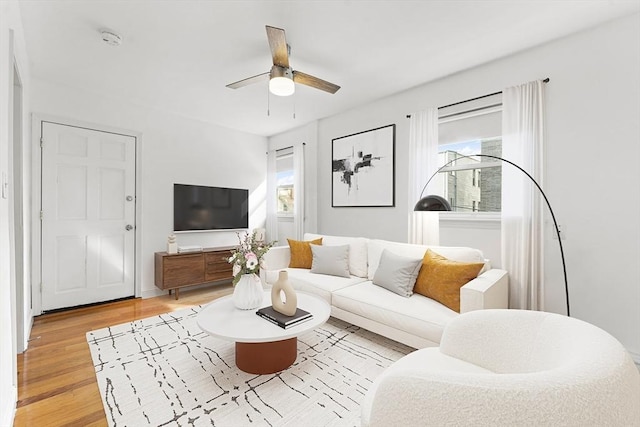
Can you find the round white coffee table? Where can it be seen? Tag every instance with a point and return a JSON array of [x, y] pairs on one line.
[[261, 346]]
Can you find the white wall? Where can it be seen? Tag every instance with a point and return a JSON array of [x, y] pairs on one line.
[[14, 301], [592, 172], [174, 150]]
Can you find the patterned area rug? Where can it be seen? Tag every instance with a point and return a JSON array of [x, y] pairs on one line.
[[164, 371]]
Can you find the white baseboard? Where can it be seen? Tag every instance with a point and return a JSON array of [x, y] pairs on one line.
[[9, 408], [155, 292], [150, 293], [27, 331]]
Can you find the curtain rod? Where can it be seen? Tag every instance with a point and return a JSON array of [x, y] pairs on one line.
[[476, 98], [286, 148]]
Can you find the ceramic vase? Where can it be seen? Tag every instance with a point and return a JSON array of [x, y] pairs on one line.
[[248, 293], [172, 245], [290, 303]]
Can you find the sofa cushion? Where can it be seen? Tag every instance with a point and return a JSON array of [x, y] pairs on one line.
[[320, 284], [301, 253], [397, 273], [331, 260], [357, 250], [417, 315], [441, 278], [461, 254]]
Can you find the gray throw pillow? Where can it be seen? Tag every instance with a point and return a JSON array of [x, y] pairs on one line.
[[332, 260], [397, 273]]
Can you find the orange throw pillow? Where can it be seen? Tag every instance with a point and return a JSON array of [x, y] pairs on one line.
[[301, 256], [441, 279]]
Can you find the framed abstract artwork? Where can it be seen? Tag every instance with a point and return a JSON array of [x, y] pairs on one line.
[[363, 169]]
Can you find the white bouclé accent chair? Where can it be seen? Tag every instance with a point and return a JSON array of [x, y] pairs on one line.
[[510, 368]]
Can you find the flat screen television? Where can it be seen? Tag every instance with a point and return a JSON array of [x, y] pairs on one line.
[[200, 208]]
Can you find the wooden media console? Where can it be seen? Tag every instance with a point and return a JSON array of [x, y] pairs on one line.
[[174, 271]]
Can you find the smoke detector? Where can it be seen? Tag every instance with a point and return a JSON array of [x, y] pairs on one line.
[[111, 38]]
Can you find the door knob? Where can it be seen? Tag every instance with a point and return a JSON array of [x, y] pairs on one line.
[[129, 198], [129, 227]]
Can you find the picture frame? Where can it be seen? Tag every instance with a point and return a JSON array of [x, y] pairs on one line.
[[363, 169]]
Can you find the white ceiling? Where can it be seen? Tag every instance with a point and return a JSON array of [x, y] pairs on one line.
[[179, 55]]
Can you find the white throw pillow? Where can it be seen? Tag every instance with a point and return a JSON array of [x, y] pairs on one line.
[[331, 260], [357, 250], [397, 273]]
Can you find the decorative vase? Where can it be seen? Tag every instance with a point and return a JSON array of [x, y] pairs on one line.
[[290, 303], [172, 245], [248, 293]]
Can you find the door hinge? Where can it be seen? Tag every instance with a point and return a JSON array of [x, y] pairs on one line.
[[41, 215], [41, 142]]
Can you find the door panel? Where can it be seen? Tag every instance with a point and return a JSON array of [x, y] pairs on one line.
[[71, 252], [70, 144], [87, 253], [112, 194], [112, 260]]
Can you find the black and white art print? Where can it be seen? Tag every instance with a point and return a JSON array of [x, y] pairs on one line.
[[363, 169]]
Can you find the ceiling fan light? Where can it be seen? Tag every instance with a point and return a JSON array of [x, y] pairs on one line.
[[111, 38], [282, 86]]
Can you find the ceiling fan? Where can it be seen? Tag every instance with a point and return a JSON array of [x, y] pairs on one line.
[[282, 77]]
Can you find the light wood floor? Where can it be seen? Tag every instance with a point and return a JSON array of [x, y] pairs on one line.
[[56, 380]]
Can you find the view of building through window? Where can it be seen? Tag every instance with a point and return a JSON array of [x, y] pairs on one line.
[[285, 193], [471, 184]]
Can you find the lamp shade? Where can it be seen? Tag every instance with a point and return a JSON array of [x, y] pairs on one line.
[[281, 81], [432, 203], [281, 86]]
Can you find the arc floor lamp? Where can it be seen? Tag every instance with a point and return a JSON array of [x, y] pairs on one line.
[[438, 203]]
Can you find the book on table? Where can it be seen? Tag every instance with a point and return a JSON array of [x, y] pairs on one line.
[[282, 320]]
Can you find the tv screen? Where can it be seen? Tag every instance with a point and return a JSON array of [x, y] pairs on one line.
[[196, 207]]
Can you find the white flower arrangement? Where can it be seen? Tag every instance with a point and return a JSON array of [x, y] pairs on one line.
[[247, 257]]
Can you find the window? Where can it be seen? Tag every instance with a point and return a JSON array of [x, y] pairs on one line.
[[460, 179], [284, 182], [471, 183]]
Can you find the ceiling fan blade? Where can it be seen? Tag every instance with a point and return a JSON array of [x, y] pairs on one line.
[[249, 81], [278, 45], [309, 80]]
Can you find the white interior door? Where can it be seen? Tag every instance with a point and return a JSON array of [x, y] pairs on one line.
[[88, 215]]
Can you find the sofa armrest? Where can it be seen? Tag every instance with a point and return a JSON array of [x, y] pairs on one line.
[[489, 290], [275, 260]]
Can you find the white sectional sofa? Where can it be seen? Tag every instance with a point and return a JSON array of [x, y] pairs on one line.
[[417, 321]]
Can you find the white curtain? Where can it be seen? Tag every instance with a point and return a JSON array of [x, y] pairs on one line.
[[423, 162], [272, 203], [298, 186], [522, 204]]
